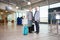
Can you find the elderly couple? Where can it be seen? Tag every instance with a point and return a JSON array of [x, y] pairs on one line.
[[36, 18]]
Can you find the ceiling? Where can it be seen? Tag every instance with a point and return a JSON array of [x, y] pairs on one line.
[[19, 2]]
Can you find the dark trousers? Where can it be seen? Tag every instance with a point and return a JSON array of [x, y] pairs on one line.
[[37, 26]]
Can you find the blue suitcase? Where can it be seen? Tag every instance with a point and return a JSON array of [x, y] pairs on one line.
[[19, 21], [25, 30]]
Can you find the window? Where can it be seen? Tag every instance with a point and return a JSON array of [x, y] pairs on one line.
[[44, 14], [44, 11], [55, 5]]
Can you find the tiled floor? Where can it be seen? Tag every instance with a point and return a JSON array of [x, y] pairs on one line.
[[14, 32]]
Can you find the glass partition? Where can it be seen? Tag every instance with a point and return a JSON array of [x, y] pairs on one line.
[[54, 9]]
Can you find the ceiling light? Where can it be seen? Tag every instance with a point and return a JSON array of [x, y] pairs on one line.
[[17, 7], [1, 12], [6, 11], [29, 3]]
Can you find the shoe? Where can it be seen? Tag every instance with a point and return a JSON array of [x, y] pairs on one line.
[[37, 33], [30, 32]]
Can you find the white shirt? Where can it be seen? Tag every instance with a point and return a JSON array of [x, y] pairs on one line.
[[24, 21]]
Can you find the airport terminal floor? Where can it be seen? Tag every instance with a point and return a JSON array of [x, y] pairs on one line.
[[11, 31], [13, 13]]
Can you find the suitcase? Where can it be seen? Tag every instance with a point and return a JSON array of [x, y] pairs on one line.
[[19, 21], [31, 29], [25, 30]]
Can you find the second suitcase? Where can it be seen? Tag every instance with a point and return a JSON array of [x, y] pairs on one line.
[[31, 29]]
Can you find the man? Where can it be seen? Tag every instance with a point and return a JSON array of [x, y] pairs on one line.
[[37, 19], [29, 17]]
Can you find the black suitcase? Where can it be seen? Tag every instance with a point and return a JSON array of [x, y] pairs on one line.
[[31, 29]]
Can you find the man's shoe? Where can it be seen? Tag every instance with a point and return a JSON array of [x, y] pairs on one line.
[[37, 32]]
